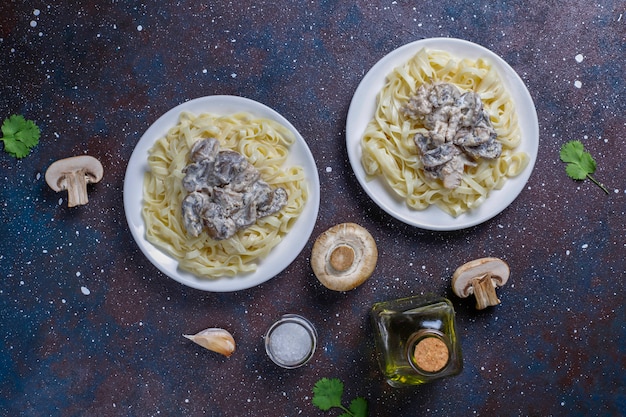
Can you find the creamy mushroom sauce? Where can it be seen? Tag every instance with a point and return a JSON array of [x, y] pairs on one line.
[[458, 131], [225, 192]]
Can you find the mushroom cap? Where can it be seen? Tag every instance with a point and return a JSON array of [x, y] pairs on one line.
[[344, 256], [85, 163], [478, 268]]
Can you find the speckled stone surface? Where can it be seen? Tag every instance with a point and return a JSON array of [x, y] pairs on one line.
[[89, 327]]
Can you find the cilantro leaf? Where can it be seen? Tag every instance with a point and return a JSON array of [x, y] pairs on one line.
[[587, 163], [358, 406], [575, 172], [571, 151], [16, 148], [327, 393], [19, 135], [580, 163]]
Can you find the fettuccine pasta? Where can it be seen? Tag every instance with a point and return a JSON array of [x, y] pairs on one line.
[[265, 143], [389, 151]]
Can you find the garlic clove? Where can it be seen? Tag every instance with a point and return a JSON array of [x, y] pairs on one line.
[[214, 339]]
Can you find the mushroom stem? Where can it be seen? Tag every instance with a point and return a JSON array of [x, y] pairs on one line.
[[342, 258], [76, 185], [485, 292]]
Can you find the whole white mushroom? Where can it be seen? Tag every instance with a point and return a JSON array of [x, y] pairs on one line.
[[73, 174], [481, 277]]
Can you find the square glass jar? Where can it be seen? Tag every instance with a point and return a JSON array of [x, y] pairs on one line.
[[416, 339]]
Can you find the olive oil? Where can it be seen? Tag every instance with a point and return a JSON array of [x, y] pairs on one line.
[[416, 340]]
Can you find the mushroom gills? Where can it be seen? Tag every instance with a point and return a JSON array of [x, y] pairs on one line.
[[344, 256]]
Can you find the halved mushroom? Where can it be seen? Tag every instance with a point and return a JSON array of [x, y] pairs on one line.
[[481, 277], [214, 339], [73, 174], [344, 256]]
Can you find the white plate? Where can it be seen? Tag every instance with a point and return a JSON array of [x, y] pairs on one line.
[[281, 256], [362, 109]]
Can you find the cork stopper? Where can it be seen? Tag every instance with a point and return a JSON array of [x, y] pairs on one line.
[[431, 354]]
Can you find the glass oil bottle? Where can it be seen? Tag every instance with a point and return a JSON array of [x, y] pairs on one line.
[[416, 340]]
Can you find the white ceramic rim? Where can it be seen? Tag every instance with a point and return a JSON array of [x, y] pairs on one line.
[[281, 256], [361, 111]]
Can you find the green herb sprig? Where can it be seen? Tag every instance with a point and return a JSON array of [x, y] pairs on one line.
[[19, 136], [327, 394], [580, 163]]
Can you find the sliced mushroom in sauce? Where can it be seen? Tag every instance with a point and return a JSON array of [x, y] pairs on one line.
[[458, 131], [193, 207], [226, 193]]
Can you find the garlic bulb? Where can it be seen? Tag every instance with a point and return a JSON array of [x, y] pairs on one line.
[[214, 339]]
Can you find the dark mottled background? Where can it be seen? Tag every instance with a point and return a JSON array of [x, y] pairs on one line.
[[89, 327]]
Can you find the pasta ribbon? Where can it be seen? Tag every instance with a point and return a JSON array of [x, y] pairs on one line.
[[388, 149], [265, 143]]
